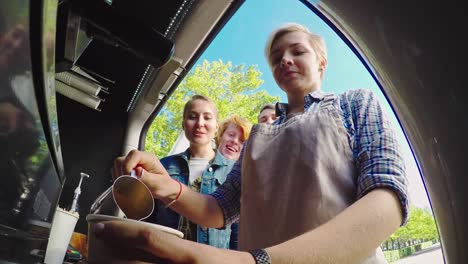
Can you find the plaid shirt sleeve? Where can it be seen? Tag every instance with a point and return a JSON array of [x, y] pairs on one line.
[[228, 194], [375, 146]]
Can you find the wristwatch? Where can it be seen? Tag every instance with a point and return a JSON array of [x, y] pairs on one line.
[[260, 256]]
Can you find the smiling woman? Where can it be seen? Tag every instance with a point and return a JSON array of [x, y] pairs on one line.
[[295, 64], [202, 168]]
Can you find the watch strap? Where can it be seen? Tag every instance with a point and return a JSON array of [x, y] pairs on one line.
[[260, 256]]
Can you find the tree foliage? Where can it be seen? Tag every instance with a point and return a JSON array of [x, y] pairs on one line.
[[420, 226], [234, 89]]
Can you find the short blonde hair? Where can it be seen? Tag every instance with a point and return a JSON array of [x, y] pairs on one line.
[[241, 122], [316, 41]]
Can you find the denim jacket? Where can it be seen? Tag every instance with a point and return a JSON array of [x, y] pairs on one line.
[[214, 175]]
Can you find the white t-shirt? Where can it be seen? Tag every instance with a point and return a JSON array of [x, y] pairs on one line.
[[196, 168]]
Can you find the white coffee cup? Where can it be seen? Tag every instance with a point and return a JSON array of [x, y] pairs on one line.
[[99, 252], [62, 229]]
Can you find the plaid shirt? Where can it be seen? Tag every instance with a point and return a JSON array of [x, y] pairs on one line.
[[371, 138]]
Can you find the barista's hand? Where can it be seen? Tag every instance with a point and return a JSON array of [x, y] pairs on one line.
[[117, 169], [150, 171], [141, 242]]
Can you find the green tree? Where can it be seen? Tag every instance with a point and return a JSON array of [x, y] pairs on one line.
[[420, 226], [234, 89]]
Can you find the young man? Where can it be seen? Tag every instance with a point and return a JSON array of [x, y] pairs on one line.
[[267, 114]]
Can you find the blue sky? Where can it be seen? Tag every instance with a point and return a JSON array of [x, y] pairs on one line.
[[242, 41]]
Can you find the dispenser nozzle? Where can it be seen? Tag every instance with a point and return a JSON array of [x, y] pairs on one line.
[[74, 206]]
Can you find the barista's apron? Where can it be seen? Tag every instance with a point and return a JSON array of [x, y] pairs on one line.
[[295, 177]]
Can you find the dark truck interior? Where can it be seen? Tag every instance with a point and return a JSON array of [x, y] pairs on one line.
[[125, 59], [130, 33]]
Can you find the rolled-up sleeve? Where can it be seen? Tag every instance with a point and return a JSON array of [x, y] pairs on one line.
[[379, 158], [228, 194]]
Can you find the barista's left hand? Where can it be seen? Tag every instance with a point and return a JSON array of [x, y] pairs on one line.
[[140, 242]]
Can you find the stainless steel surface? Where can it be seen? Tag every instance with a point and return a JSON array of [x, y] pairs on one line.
[[133, 197], [73, 35], [95, 207], [105, 205], [127, 197]]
